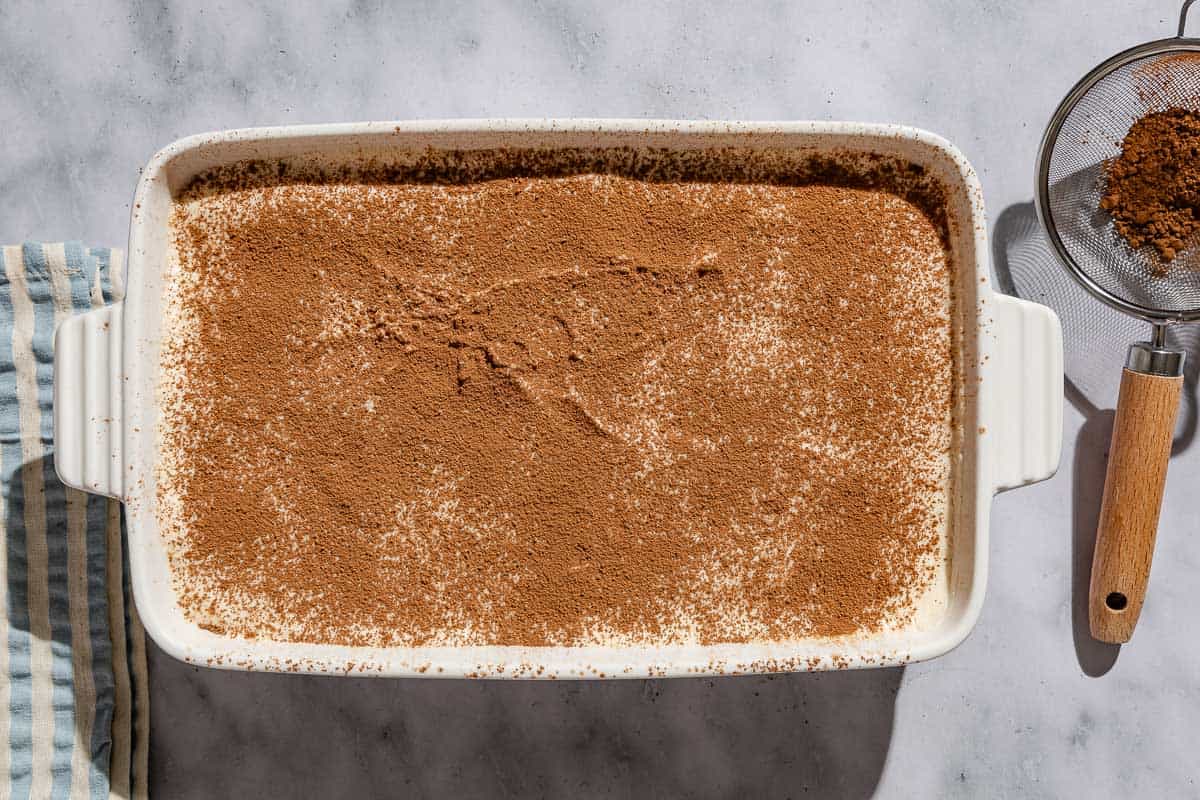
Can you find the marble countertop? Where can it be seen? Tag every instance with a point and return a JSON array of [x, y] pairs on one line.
[[1028, 706]]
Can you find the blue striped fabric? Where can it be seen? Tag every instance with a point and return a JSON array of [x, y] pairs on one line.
[[73, 691]]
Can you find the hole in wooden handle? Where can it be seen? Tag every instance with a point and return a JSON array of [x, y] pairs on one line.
[[1116, 601]]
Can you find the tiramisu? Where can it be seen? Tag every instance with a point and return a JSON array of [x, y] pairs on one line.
[[558, 397]]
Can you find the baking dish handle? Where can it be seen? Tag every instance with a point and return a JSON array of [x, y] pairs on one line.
[[1027, 393], [87, 401]]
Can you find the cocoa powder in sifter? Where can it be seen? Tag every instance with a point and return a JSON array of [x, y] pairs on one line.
[[558, 397], [1153, 186]]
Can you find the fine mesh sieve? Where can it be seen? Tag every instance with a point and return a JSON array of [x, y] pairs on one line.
[[1083, 136]]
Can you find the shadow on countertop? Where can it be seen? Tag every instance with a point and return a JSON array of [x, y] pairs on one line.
[[230, 734], [1095, 338]]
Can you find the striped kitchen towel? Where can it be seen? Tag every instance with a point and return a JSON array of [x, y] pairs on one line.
[[73, 690]]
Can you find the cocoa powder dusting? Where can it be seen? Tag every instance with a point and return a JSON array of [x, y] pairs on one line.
[[558, 397], [1153, 186]]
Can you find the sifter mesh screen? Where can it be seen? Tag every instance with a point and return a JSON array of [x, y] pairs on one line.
[[1072, 176]]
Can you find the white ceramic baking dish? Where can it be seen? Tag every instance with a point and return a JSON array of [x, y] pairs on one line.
[[106, 368]]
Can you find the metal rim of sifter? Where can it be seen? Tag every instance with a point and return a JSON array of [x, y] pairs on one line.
[[1044, 202]]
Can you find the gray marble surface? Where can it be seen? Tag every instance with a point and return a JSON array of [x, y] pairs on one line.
[[1028, 706]]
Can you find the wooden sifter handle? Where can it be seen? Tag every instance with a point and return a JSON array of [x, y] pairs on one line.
[[1133, 491]]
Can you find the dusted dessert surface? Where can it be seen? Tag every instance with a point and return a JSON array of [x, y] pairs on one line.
[[558, 397]]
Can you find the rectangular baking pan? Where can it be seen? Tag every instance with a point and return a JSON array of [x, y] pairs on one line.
[[106, 372]]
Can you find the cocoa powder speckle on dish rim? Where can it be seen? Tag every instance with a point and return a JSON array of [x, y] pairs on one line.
[[558, 397]]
